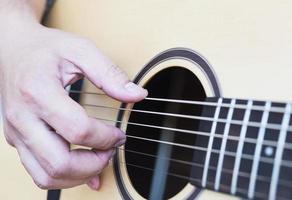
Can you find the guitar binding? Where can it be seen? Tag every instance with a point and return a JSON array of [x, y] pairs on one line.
[[157, 76]]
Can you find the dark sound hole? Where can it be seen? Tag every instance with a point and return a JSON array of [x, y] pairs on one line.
[[141, 155]]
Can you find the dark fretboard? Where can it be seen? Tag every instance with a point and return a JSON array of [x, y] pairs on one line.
[[249, 148]]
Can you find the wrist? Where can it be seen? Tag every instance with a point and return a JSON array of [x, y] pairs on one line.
[[19, 18], [16, 16], [16, 30], [13, 26], [24, 9], [17, 13]]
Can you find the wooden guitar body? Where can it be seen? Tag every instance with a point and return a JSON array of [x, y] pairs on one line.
[[235, 49]]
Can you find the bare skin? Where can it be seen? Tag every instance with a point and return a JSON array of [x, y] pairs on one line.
[[40, 120]]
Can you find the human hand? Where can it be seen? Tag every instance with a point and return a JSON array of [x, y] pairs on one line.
[[41, 121]]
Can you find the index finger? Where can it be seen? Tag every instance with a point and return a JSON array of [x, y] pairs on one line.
[[70, 120], [54, 155]]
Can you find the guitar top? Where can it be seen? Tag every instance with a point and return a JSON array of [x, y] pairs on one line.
[[217, 123]]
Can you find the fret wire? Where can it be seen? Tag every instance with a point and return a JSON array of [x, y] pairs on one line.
[[289, 128], [223, 145], [255, 164], [236, 122], [225, 187], [279, 152], [240, 148], [235, 138], [210, 143], [257, 107], [228, 171]]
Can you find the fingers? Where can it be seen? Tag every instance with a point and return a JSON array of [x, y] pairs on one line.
[[44, 120], [94, 183], [102, 72], [54, 156], [41, 177], [70, 120]]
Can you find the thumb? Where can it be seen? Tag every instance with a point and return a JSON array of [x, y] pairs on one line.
[[115, 83], [103, 73]]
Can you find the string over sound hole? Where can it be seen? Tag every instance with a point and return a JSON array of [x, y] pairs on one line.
[[157, 167]]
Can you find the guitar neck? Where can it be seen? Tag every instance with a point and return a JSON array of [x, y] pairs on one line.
[[248, 148]]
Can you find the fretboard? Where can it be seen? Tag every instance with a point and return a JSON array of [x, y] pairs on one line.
[[249, 148]]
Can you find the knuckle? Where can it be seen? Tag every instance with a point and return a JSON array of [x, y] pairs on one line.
[[12, 115], [84, 47], [116, 72], [58, 169], [79, 133], [79, 136], [27, 91], [9, 140]]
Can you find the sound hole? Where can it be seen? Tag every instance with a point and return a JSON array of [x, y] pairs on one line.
[[158, 170]]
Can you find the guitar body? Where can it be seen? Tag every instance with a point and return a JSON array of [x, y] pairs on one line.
[[235, 49]]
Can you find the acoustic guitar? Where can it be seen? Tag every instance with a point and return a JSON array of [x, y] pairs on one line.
[[217, 123]]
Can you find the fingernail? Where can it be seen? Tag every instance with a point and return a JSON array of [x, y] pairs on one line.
[[120, 134], [94, 183], [133, 88], [120, 142]]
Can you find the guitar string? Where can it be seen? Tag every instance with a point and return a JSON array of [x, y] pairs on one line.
[[285, 163], [236, 122], [224, 187], [201, 133], [235, 138], [197, 103], [202, 118], [201, 103], [285, 183]]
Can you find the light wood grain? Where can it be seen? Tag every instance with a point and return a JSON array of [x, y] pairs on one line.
[[15, 182], [248, 44]]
